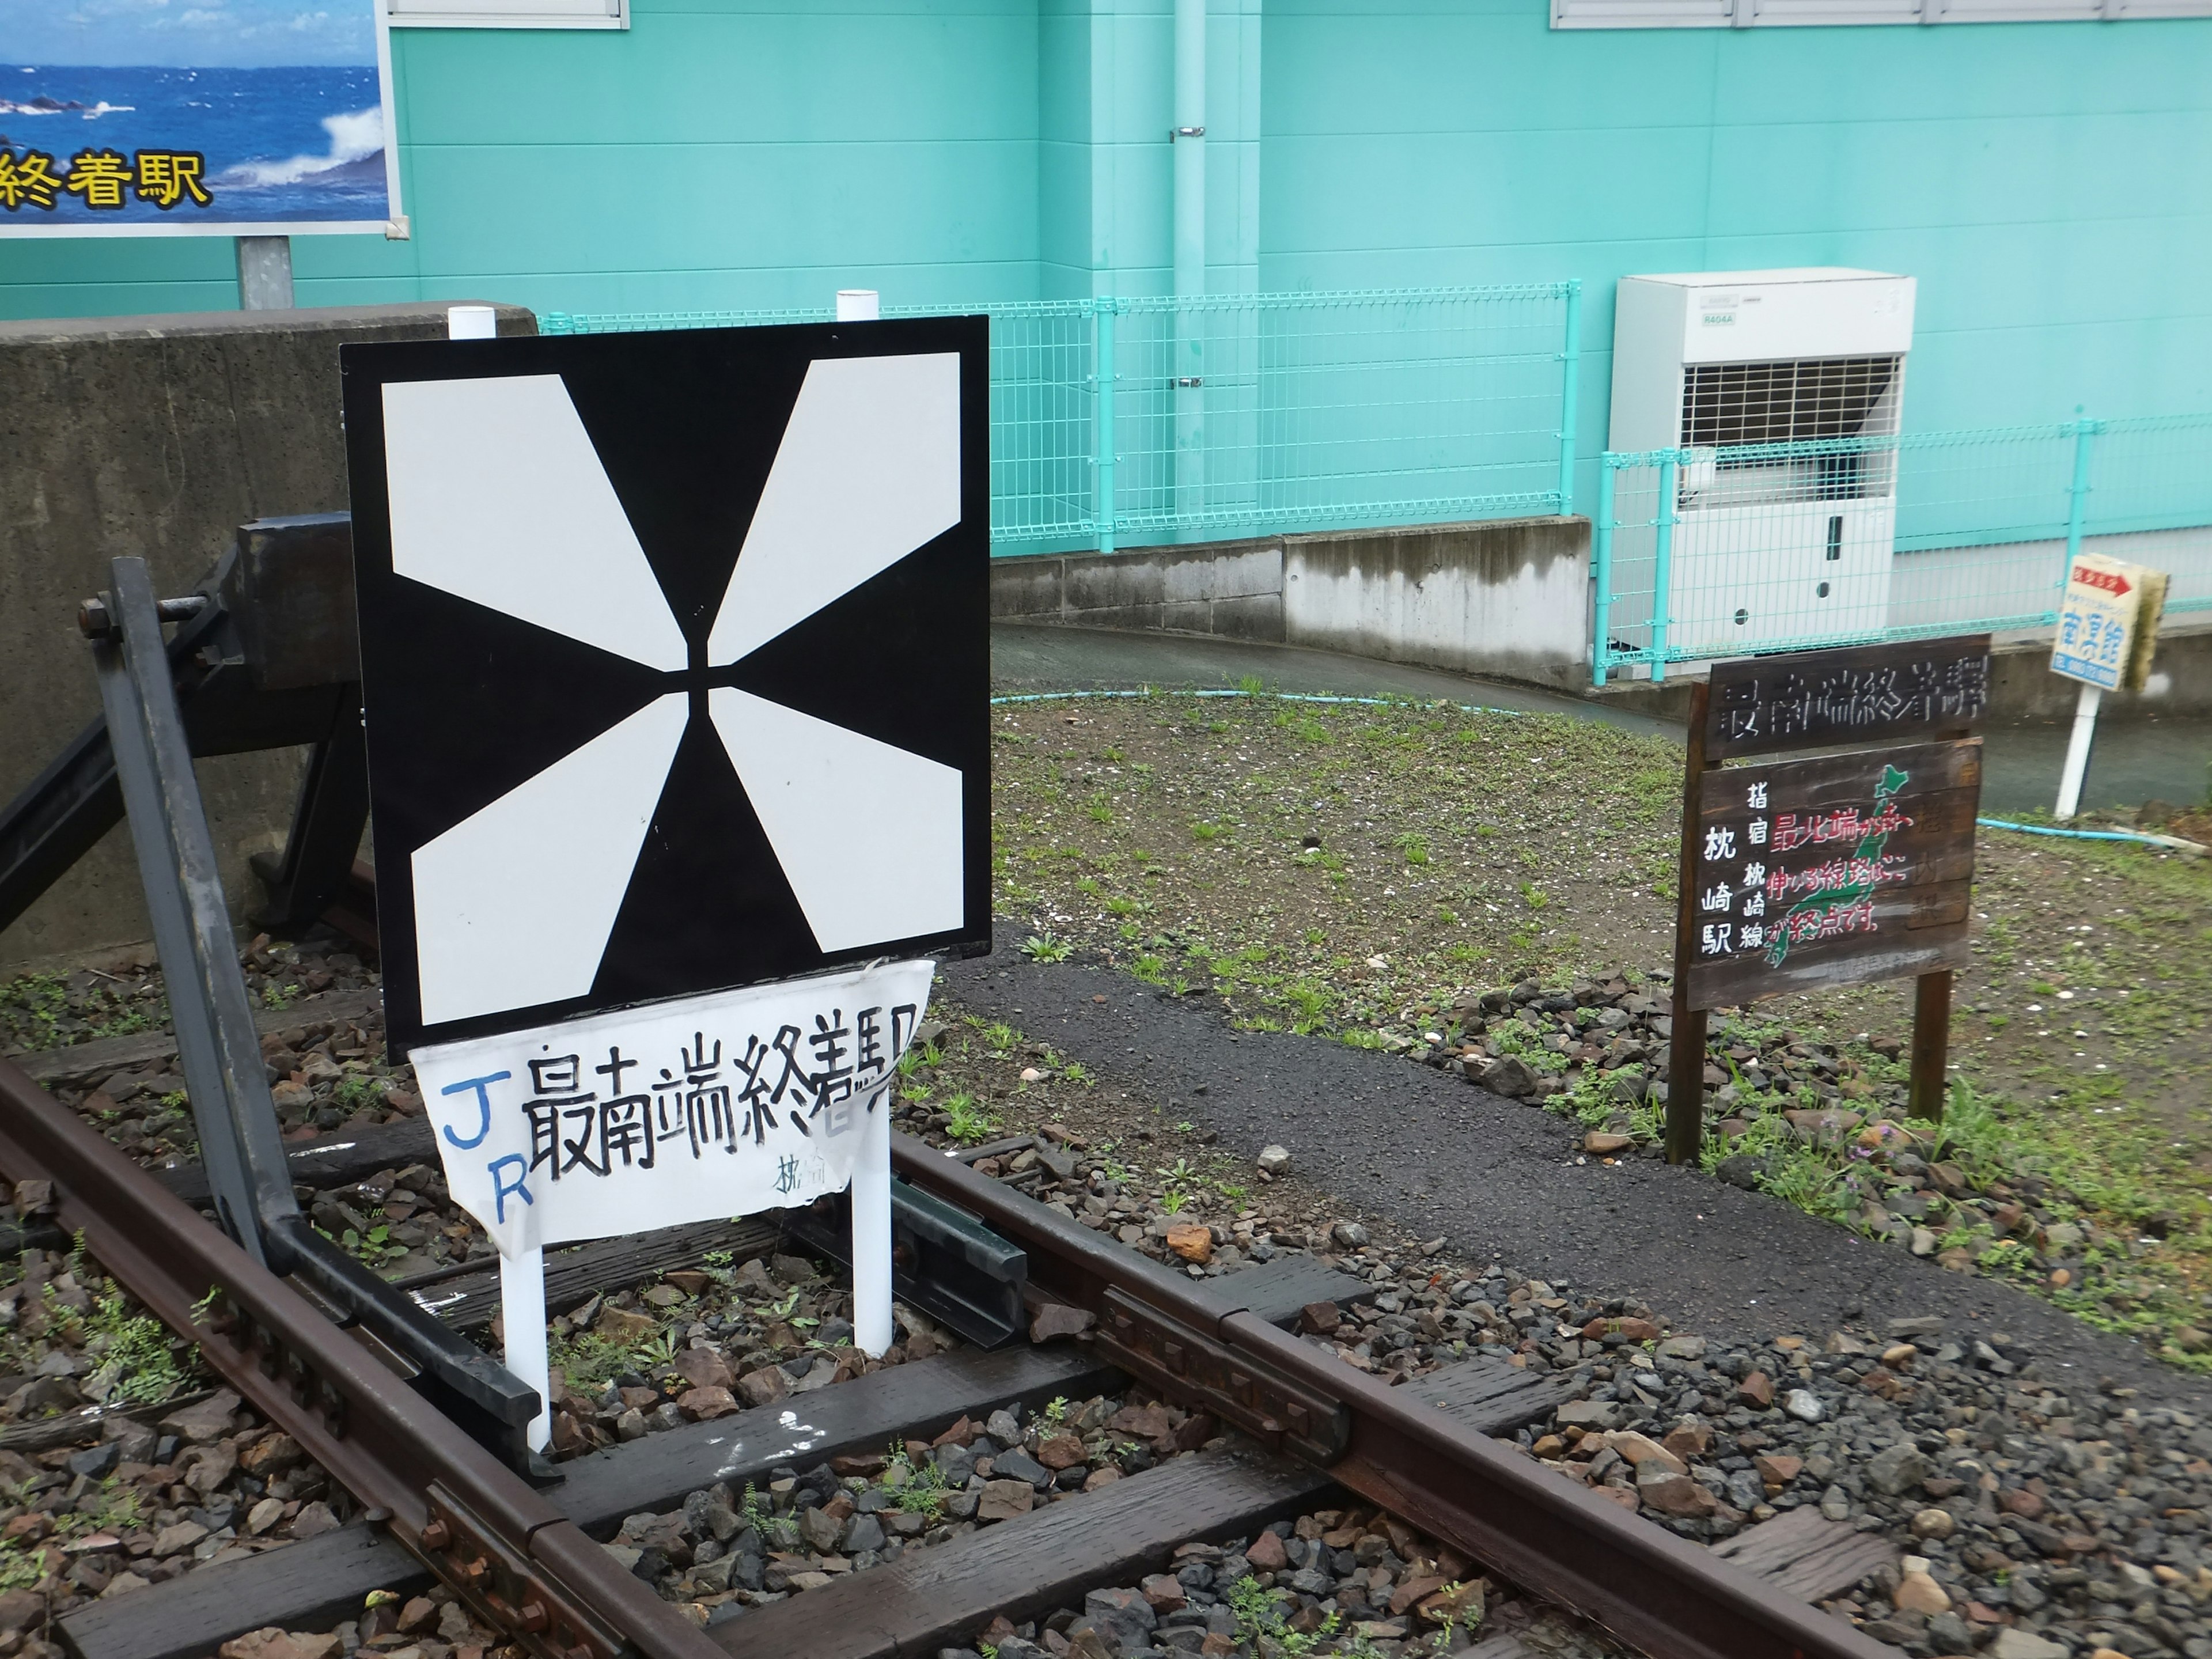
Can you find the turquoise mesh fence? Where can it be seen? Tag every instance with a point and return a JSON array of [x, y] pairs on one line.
[[1232, 415], [1705, 553]]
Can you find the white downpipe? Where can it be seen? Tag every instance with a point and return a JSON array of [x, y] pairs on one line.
[[1188, 144]]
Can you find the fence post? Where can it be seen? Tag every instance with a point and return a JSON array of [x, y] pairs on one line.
[[1103, 507], [1571, 351], [1662, 571], [1601, 570], [2078, 508]]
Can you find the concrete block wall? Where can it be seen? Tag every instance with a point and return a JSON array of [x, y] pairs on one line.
[[156, 436], [1507, 598]]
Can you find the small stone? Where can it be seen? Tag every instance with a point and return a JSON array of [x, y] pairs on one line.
[[263, 1516], [1192, 1240], [1776, 1470], [1320, 1318], [1674, 1494], [1266, 1554], [765, 1386], [1918, 1593], [1164, 1592], [1061, 1451], [1756, 1390], [703, 1404], [1588, 1414], [1640, 1450], [1896, 1469], [703, 1368], [1002, 1500], [1804, 1404], [173, 1540], [313, 1521], [1274, 1160], [209, 1420], [1512, 1077], [1054, 1320], [1688, 1439], [2014, 1642], [1601, 1143], [1934, 1523], [1741, 1170], [1683, 1347], [621, 1325], [272, 1643], [96, 1462], [1123, 1615]]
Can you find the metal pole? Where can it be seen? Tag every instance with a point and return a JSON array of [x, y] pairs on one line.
[[2077, 750], [2077, 506], [1571, 351], [264, 273], [1187, 141], [1103, 310], [1601, 570], [2085, 704], [1662, 563]]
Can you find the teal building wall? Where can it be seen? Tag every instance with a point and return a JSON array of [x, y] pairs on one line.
[[2050, 185]]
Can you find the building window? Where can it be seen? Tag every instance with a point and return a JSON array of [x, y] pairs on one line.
[[510, 13]]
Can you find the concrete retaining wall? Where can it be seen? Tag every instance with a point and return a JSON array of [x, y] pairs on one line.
[[156, 436], [1507, 597]]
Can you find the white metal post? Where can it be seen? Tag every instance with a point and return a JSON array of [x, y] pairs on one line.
[[871, 1232], [2077, 750], [859, 305], [522, 1318]]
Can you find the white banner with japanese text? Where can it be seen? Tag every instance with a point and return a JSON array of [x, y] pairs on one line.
[[718, 1105]]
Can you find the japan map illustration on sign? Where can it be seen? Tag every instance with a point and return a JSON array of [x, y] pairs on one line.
[[674, 659]]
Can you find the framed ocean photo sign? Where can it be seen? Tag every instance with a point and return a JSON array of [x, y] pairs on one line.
[[196, 117]]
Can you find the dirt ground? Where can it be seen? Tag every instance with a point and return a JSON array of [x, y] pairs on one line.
[[1353, 870]]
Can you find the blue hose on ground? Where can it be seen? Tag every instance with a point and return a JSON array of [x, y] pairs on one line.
[[1280, 697], [2170, 843]]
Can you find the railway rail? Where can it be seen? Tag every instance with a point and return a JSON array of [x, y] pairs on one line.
[[362, 1377], [524, 1561]]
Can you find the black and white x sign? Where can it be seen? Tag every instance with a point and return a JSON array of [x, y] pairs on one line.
[[675, 659]]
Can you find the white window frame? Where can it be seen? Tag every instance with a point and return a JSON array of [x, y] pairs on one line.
[[508, 14], [1772, 14]]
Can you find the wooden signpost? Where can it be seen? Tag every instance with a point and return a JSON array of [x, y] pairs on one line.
[[1834, 869]]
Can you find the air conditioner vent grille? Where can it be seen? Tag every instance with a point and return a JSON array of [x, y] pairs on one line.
[[1729, 404]]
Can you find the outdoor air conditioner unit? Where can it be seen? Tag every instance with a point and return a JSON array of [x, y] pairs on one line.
[[1768, 548]]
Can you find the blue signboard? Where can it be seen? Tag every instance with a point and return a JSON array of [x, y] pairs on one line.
[[168, 118]]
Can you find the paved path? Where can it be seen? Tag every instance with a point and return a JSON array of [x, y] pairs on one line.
[[1498, 1178]]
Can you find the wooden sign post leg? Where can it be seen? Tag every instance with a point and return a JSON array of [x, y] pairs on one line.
[[1931, 1042], [1686, 1047], [1685, 1083]]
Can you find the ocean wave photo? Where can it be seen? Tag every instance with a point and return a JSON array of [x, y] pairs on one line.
[[281, 144]]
